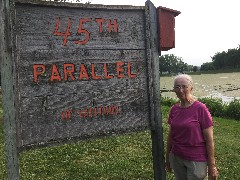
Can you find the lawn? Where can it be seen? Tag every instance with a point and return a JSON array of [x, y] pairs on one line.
[[125, 157]]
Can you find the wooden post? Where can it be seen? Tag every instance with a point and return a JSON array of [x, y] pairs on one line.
[[7, 78], [154, 82]]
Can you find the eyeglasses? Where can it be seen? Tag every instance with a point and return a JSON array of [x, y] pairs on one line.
[[181, 87]]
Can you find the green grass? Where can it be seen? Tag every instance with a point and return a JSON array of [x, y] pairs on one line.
[[127, 157]]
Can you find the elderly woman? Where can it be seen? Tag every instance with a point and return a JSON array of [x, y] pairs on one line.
[[190, 145]]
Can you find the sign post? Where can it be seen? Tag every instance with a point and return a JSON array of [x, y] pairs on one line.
[[154, 78], [7, 44], [76, 71]]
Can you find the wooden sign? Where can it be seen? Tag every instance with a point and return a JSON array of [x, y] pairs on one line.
[[81, 72], [76, 71]]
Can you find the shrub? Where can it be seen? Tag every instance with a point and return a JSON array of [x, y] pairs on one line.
[[215, 105], [167, 101], [233, 109]]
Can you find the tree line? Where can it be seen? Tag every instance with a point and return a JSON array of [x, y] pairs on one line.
[[169, 64], [230, 59], [223, 60]]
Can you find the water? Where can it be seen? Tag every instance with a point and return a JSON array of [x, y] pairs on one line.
[[222, 85]]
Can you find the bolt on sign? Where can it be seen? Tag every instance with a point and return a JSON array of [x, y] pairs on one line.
[[76, 71]]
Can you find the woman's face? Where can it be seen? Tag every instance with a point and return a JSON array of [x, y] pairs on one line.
[[183, 89]]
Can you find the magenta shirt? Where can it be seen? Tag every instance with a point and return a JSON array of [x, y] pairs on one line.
[[186, 131]]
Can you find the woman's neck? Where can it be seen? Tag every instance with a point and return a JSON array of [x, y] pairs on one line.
[[187, 103]]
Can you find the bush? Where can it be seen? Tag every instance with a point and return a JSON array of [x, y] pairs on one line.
[[167, 101], [215, 106], [233, 109]]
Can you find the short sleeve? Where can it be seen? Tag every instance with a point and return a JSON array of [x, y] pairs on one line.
[[205, 118], [170, 115]]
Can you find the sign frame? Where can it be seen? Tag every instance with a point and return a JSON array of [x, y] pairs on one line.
[[10, 94]]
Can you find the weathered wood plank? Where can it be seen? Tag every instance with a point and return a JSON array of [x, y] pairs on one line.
[[43, 87], [7, 86], [36, 24], [132, 110], [113, 95], [80, 5], [154, 80]]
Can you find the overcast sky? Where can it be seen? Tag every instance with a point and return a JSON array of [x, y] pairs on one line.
[[203, 28]]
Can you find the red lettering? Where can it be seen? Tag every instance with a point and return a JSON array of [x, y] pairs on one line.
[[106, 75], [110, 110], [98, 111], [120, 69], [83, 72], [38, 69], [66, 115], [90, 112], [83, 31], [130, 74], [100, 23], [68, 69], [112, 26], [55, 74], [94, 76], [98, 71], [106, 110], [115, 109], [83, 113], [67, 32]]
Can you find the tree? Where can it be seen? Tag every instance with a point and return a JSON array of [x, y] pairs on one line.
[[207, 66], [227, 59], [195, 69], [172, 64]]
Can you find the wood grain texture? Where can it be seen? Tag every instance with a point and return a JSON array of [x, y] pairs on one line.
[[69, 109], [154, 80], [7, 86]]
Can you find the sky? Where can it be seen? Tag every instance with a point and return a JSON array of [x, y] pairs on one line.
[[204, 27]]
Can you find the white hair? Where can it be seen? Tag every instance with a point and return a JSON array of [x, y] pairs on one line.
[[184, 76]]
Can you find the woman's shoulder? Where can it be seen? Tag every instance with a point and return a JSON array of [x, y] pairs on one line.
[[176, 105], [199, 104]]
